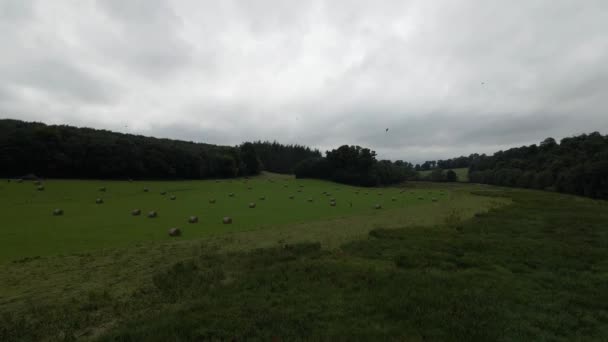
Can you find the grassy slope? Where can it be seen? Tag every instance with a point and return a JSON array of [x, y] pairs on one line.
[[533, 270], [462, 173], [29, 229]]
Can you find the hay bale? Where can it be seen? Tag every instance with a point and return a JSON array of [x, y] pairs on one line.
[[332, 203], [37, 182], [193, 219], [379, 194], [163, 193], [40, 188], [217, 180], [146, 189], [175, 232], [365, 193], [377, 206], [152, 214], [231, 194], [262, 198], [99, 200], [310, 200], [136, 212], [434, 199], [227, 220], [102, 189], [299, 190], [420, 198], [393, 199], [172, 197], [58, 212], [301, 186], [356, 192], [332, 199], [251, 205], [212, 201], [291, 197], [324, 192], [249, 188]]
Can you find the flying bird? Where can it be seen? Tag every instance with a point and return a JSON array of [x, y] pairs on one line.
[[387, 130]]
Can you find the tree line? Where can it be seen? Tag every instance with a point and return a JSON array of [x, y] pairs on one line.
[[576, 165], [354, 165], [275, 157], [59, 151]]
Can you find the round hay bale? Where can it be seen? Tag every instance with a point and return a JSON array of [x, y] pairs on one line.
[[356, 192], [152, 214], [393, 199], [249, 188], [37, 182], [379, 194], [163, 193], [231, 194], [262, 198], [324, 192], [332, 199], [434, 199], [377, 206], [420, 198], [136, 212], [58, 212], [310, 200], [301, 186], [365, 193], [299, 190], [172, 197], [251, 205], [146, 189], [193, 219], [102, 189], [130, 180], [332, 203], [40, 188], [291, 197], [327, 194], [175, 232], [227, 220], [99, 201], [212, 201]]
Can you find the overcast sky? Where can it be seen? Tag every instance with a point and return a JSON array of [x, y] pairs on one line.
[[446, 77]]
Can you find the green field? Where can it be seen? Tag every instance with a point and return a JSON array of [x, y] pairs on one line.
[[30, 229], [462, 173], [480, 264]]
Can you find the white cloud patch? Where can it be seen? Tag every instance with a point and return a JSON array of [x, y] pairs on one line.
[[447, 78]]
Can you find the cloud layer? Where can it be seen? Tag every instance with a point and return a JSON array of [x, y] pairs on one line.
[[446, 77]]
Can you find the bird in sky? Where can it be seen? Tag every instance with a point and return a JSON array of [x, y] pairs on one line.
[[387, 130]]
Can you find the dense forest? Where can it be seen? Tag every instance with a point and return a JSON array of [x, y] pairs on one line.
[[576, 165], [280, 158], [454, 163], [354, 165], [70, 152]]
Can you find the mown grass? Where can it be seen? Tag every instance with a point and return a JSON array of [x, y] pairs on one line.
[[29, 228], [533, 270]]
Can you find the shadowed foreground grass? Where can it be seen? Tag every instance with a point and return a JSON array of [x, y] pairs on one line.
[[533, 270]]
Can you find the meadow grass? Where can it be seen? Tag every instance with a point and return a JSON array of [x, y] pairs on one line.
[[523, 265]]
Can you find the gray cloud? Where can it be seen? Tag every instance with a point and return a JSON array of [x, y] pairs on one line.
[[447, 78]]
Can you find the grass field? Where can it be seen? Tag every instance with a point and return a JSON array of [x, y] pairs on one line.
[[483, 263], [29, 228], [462, 173]]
